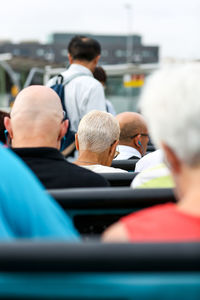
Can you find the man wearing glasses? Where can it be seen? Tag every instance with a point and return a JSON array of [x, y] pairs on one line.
[[96, 140], [133, 136]]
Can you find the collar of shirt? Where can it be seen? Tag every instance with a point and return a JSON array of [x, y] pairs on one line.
[[104, 169], [125, 152], [76, 68], [41, 152]]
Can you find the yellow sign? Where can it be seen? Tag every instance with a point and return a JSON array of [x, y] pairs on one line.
[[133, 81], [14, 90]]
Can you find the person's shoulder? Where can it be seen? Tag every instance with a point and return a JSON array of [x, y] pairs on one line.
[[51, 81], [152, 224], [144, 225], [106, 169], [86, 175], [88, 80], [155, 177], [149, 214], [116, 170], [149, 160], [83, 77]]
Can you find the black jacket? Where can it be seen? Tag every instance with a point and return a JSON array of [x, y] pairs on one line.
[[55, 172]]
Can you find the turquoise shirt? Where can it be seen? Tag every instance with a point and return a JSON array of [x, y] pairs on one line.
[[26, 210]]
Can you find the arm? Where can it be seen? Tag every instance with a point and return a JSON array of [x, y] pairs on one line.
[[115, 233], [26, 208]]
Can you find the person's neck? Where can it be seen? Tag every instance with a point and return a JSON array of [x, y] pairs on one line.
[[89, 158], [190, 203], [188, 192], [33, 143], [86, 64]]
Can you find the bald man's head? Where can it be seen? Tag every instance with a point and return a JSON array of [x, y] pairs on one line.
[[36, 101], [133, 131], [36, 116]]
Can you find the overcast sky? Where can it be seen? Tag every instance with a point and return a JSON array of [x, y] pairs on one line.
[[174, 25]]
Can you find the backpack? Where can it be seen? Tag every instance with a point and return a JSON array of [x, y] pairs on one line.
[[59, 88]]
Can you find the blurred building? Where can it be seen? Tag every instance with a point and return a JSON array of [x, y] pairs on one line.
[[116, 49], [30, 60]]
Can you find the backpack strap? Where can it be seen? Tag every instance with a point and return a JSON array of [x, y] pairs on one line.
[[59, 79], [72, 77], [68, 144]]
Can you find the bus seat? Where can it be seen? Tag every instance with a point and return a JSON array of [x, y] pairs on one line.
[[126, 164], [94, 209], [58, 270], [119, 179]]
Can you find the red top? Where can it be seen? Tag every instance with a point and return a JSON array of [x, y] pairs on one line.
[[162, 223]]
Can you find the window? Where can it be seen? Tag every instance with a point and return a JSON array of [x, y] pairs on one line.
[[64, 52], [104, 53], [40, 52]]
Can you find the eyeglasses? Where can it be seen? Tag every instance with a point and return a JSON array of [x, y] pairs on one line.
[[64, 116], [116, 153]]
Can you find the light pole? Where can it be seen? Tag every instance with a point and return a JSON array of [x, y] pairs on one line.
[[129, 40]]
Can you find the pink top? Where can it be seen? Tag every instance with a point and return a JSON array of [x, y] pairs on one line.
[[162, 223]]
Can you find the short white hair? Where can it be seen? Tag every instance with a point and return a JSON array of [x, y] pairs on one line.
[[97, 131], [170, 103]]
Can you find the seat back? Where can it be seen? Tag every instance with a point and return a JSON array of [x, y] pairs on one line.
[[54, 270], [119, 179], [125, 164], [94, 209]]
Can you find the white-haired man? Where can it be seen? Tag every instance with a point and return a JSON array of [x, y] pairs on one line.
[[171, 106], [96, 141]]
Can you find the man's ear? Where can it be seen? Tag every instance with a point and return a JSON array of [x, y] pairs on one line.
[[173, 162], [63, 129], [113, 148], [96, 60], [70, 58], [8, 126], [76, 142], [137, 140]]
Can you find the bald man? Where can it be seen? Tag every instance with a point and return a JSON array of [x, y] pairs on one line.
[[36, 127], [133, 136]]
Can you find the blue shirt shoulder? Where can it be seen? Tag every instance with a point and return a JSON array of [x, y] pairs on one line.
[[26, 210]]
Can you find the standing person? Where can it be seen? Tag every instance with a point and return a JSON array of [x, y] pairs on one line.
[[100, 75], [83, 92]]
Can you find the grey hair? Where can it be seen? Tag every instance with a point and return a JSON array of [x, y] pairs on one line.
[[170, 103], [97, 131]]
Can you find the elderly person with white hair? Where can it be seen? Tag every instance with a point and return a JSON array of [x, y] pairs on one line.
[[171, 105], [96, 141]]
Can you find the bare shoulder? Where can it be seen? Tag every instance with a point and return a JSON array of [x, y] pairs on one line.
[[115, 233]]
